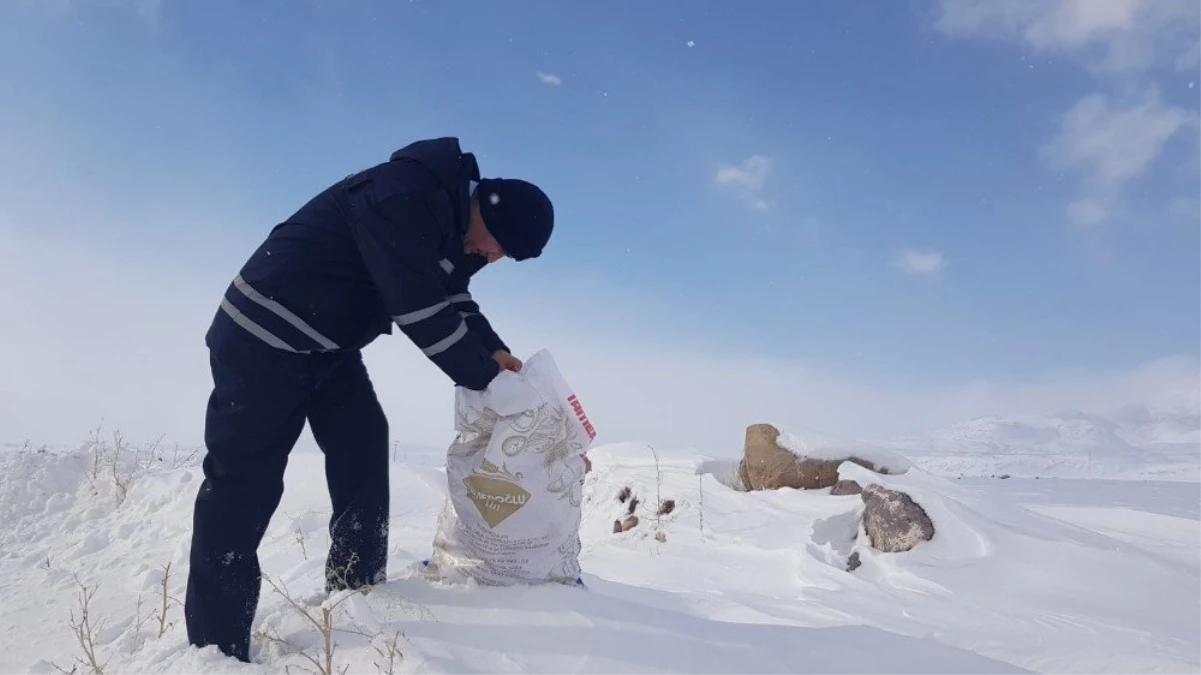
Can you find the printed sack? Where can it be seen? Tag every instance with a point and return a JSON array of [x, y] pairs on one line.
[[515, 475]]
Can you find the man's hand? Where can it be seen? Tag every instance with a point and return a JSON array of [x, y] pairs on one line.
[[507, 361]]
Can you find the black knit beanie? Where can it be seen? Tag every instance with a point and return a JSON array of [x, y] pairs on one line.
[[518, 214]]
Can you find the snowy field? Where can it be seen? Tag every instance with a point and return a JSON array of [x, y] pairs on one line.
[[1043, 575]]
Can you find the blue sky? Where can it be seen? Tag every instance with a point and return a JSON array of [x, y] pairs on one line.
[[917, 193]]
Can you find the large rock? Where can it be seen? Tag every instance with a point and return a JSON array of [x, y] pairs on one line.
[[894, 522], [766, 465]]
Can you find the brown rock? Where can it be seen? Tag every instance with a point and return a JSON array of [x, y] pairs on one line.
[[661, 537], [894, 522], [768, 466], [629, 523], [846, 487]]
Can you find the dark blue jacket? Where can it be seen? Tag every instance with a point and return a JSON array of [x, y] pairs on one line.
[[382, 246]]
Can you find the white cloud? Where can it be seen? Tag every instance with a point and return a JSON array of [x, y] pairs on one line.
[[1114, 143], [1107, 143], [550, 78], [1110, 144], [1109, 36], [926, 263], [747, 179]]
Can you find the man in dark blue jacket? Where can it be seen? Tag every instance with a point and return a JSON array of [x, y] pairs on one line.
[[393, 244]]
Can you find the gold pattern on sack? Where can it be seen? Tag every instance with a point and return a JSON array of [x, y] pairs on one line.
[[495, 491]]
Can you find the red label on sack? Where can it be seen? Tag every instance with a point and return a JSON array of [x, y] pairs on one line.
[[579, 413]]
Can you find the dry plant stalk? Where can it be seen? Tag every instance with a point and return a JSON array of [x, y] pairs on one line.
[[121, 480], [138, 622], [391, 651], [85, 633], [166, 600], [658, 486], [324, 661]]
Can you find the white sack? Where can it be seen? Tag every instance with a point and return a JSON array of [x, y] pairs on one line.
[[515, 475]]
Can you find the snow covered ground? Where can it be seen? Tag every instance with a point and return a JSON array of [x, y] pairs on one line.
[[1048, 575], [1133, 442]]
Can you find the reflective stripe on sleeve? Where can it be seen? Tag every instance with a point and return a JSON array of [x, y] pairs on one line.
[[253, 328], [442, 345], [282, 312], [421, 314]]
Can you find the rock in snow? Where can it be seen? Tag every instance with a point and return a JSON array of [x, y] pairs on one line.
[[769, 465], [894, 522], [846, 487]]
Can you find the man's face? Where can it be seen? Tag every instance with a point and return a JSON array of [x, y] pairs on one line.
[[478, 240]]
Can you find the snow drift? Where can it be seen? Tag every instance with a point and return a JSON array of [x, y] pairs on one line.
[[718, 581]]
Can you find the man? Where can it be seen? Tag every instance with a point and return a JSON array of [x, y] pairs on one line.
[[396, 243]]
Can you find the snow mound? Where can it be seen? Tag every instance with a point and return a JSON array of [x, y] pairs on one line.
[[709, 580], [817, 445]]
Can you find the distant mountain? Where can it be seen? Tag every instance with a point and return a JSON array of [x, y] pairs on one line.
[[1130, 443]]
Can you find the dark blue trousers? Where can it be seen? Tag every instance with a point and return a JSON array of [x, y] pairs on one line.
[[260, 401]]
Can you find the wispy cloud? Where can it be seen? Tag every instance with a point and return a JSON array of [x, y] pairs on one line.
[[1104, 139], [747, 179], [1108, 36], [922, 263], [1110, 144], [550, 78]]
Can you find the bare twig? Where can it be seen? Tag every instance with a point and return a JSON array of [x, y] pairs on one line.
[[166, 599], [98, 451], [658, 485], [700, 481], [138, 622], [153, 454], [341, 576], [178, 461], [324, 625], [121, 479], [391, 651], [85, 633]]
